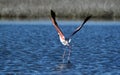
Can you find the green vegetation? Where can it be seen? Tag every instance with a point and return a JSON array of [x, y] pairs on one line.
[[63, 8]]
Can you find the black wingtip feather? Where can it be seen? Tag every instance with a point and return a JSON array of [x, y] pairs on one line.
[[53, 14], [87, 18]]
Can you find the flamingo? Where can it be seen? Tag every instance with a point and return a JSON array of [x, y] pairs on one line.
[[66, 41]]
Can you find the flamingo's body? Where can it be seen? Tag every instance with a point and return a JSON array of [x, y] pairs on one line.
[[63, 40]]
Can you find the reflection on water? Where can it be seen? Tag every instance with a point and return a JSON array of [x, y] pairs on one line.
[[63, 66], [34, 48]]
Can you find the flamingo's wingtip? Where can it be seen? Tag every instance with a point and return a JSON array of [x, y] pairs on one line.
[[52, 13]]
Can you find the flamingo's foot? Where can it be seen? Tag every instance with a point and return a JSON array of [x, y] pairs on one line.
[[69, 62]]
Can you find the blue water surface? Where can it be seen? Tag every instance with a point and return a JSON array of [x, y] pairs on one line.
[[33, 48]]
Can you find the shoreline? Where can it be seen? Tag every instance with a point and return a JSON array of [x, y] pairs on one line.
[[68, 9], [58, 19]]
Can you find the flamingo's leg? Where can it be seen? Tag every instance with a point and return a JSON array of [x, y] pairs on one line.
[[63, 56], [69, 54]]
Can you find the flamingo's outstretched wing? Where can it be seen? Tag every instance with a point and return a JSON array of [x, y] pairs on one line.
[[78, 28], [56, 25]]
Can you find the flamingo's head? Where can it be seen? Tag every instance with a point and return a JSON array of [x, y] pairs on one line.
[[68, 40]]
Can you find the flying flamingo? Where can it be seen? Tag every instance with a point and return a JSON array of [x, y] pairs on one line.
[[63, 40]]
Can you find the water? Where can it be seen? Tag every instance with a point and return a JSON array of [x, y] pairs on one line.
[[34, 49]]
